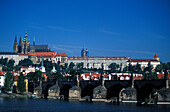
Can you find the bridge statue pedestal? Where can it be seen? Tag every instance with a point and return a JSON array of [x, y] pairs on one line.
[[99, 93], [54, 92], [38, 92], [129, 95], [164, 93], [75, 93]]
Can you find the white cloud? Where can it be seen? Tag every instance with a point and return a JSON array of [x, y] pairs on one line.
[[110, 32], [63, 29], [152, 35]]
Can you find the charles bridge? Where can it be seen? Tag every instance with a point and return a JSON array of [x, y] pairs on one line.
[[103, 90]]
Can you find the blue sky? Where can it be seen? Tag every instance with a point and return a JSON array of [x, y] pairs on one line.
[[133, 28]]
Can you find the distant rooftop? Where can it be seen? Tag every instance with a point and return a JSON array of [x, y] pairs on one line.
[[142, 60], [8, 53], [47, 54], [98, 57], [40, 48]]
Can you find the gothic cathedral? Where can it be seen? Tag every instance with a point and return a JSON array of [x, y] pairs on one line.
[[24, 46]]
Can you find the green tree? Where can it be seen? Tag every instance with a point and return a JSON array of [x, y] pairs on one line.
[[159, 68], [71, 65], [26, 62], [4, 68], [48, 65], [9, 80], [35, 77], [66, 65], [80, 66], [149, 67], [154, 76], [168, 66], [57, 76], [21, 85], [10, 65], [113, 67], [17, 67], [151, 76], [130, 68], [125, 69], [5, 61], [72, 73], [137, 68]]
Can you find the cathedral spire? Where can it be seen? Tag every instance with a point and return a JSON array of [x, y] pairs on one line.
[[20, 46], [15, 46], [20, 41], [25, 34], [15, 38], [25, 39]]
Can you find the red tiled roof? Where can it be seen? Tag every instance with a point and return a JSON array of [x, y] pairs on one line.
[[98, 57], [161, 75], [140, 60], [25, 67], [22, 54], [47, 54], [1, 74], [94, 75], [156, 56], [138, 77]]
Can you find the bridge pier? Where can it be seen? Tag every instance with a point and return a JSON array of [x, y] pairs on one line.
[[75, 91], [38, 91], [164, 93], [54, 92], [129, 94], [99, 93]]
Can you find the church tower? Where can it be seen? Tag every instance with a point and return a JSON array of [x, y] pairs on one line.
[[15, 47], [20, 46], [25, 45], [156, 57], [83, 53], [87, 52]]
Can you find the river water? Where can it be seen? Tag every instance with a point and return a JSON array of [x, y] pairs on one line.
[[44, 105]]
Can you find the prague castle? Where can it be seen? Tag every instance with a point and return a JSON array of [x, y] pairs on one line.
[[34, 52], [24, 46]]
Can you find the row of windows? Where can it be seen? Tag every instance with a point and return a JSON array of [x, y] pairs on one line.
[[54, 60]]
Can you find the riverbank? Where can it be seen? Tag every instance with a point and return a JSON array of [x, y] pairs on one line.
[[15, 95]]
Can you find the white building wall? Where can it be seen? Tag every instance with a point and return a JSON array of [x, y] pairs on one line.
[[16, 57], [145, 64], [2, 79], [28, 70], [97, 62]]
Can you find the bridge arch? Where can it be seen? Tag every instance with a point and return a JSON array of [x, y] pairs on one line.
[[65, 91], [114, 91], [88, 91], [145, 91], [46, 90]]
